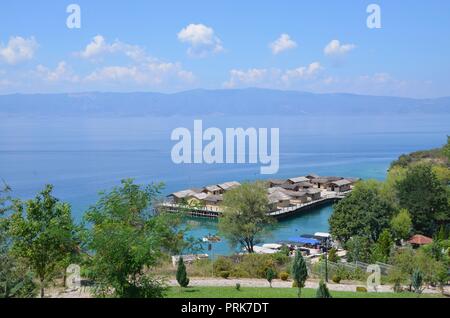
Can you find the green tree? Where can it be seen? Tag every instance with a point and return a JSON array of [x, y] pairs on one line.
[[365, 212], [425, 198], [299, 272], [126, 238], [332, 255], [270, 275], [182, 278], [43, 234], [15, 280], [359, 248], [446, 149], [322, 291], [401, 225], [245, 216], [382, 247], [417, 281]]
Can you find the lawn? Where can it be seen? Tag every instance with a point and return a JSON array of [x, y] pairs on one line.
[[248, 292]]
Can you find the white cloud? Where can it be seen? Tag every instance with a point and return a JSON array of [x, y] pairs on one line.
[[202, 40], [18, 49], [148, 73], [283, 43], [98, 47], [303, 72], [336, 48], [273, 78], [62, 72]]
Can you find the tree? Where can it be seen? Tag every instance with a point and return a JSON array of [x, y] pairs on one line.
[[15, 280], [322, 291], [333, 256], [43, 234], [365, 212], [425, 198], [182, 278], [401, 225], [245, 215], [270, 275], [417, 281], [446, 149], [359, 248], [299, 272], [382, 247], [126, 238]]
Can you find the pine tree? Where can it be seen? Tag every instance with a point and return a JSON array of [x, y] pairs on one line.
[[182, 278], [417, 281], [299, 272], [270, 275], [322, 291]]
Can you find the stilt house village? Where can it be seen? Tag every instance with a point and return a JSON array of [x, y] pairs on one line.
[[285, 195]]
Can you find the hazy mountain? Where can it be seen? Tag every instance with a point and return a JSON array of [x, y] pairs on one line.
[[201, 102]]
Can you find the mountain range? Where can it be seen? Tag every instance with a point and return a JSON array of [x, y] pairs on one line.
[[241, 102]]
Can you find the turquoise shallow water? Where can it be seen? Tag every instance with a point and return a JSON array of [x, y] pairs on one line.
[[82, 156]]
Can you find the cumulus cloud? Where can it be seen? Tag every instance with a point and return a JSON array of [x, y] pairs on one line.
[[335, 48], [148, 74], [201, 39], [283, 43], [62, 72], [303, 72], [18, 49], [273, 78], [99, 46]]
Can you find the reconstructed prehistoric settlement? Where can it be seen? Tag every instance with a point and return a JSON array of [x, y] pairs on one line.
[[286, 197]]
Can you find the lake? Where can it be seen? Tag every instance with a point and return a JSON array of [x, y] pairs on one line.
[[82, 156]]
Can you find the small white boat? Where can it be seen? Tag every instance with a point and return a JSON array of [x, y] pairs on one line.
[[273, 246]]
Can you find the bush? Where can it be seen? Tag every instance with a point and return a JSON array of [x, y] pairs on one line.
[[294, 284], [361, 289], [336, 279], [223, 264], [284, 276], [238, 286], [224, 274]]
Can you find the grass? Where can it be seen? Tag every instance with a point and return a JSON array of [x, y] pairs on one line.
[[249, 292]]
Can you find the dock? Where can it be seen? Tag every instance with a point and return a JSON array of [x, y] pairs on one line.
[[282, 213]]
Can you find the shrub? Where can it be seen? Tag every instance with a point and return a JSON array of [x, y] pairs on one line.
[[361, 289], [332, 255], [238, 286], [223, 264], [336, 279], [270, 275], [294, 284], [284, 276], [322, 291], [224, 274], [182, 278]]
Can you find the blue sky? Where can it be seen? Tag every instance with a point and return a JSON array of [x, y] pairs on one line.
[[168, 46]]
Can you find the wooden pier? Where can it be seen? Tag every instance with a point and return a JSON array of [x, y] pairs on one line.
[[203, 212]]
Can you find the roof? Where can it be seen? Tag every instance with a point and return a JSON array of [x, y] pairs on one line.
[[322, 234], [298, 179], [200, 196], [229, 185], [326, 179], [214, 198], [213, 188], [420, 240], [183, 194], [341, 183], [312, 176], [276, 196], [294, 194], [304, 240], [313, 191], [276, 181]]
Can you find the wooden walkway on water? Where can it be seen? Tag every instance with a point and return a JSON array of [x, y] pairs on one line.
[[278, 214]]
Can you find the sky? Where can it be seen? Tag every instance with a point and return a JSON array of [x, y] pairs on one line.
[[169, 46]]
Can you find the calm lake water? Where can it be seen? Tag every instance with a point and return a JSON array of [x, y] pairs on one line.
[[82, 156]]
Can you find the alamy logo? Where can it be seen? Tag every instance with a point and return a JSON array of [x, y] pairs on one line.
[[236, 145]]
